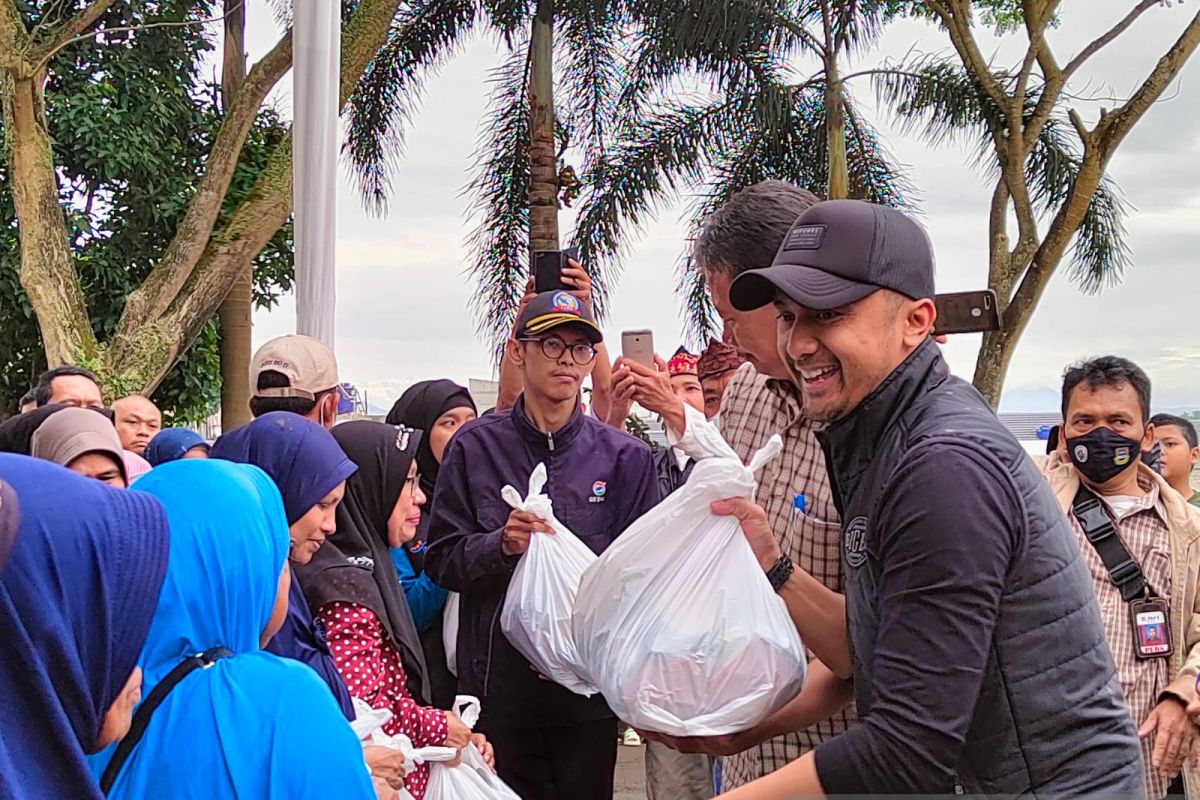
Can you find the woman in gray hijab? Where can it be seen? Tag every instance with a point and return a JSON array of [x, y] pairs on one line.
[[84, 442]]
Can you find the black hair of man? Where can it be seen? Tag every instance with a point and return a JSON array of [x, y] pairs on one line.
[[44, 390], [28, 397], [1107, 372], [747, 231], [1185, 427], [270, 379]]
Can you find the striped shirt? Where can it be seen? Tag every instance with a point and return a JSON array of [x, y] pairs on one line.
[[1141, 524], [753, 409]]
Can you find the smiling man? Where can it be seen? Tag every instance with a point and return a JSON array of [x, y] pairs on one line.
[[550, 743], [968, 622]]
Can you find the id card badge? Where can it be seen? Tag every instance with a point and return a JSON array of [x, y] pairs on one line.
[[1151, 628]]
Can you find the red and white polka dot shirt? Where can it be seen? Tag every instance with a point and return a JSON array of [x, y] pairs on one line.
[[373, 671]]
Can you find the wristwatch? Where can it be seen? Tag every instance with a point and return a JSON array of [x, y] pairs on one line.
[[779, 574]]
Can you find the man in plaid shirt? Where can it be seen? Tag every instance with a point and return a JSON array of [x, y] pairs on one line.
[[794, 489]]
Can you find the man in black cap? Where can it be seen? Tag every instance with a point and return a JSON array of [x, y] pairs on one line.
[[550, 743], [968, 622]]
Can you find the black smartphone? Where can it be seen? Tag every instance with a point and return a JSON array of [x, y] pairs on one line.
[[548, 266], [966, 312]]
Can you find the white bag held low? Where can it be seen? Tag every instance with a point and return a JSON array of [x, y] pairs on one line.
[[536, 616], [678, 624], [471, 778]]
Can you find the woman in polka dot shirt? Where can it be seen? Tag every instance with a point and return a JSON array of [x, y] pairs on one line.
[[352, 589]]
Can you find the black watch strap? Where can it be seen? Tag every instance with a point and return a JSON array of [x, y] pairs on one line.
[[778, 575]]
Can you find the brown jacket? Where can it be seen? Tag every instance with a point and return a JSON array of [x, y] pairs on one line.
[[1183, 523]]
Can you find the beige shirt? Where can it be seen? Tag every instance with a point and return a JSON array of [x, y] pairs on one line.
[[1142, 525]]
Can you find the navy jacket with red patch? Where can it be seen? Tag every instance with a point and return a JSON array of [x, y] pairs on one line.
[[599, 479]]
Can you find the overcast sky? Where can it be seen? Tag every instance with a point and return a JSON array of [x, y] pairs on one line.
[[402, 311]]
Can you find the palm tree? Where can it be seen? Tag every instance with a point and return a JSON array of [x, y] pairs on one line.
[[619, 64], [757, 124]]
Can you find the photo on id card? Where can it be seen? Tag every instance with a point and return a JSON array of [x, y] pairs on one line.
[[1151, 628]]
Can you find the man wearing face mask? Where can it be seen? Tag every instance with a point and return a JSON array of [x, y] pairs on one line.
[[1139, 540]]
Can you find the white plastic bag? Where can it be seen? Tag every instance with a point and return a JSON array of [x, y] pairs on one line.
[[450, 632], [536, 616], [471, 778], [368, 727], [677, 623]]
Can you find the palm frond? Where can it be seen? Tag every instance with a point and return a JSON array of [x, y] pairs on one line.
[[588, 50], [1099, 253], [857, 24], [627, 184], [500, 195], [936, 98], [423, 36], [509, 17], [875, 174]]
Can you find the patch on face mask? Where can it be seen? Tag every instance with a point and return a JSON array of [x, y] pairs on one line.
[[1122, 456], [1081, 454], [854, 542]]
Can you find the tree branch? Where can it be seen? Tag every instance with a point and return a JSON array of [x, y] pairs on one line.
[[86, 18], [1105, 38], [161, 286], [1113, 128], [60, 46], [957, 21]]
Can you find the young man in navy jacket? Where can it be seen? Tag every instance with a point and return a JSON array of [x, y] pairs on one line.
[[550, 743]]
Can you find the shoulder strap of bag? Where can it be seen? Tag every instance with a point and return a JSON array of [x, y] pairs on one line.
[[1124, 571], [142, 718]]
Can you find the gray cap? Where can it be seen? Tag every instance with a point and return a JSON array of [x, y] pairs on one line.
[[839, 252]]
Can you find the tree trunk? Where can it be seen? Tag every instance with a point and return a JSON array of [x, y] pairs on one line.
[[47, 270], [235, 312], [838, 187], [543, 160]]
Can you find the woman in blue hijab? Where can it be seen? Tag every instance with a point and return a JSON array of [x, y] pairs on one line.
[[310, 471], [76, 598], [172, 444], [250, 725]]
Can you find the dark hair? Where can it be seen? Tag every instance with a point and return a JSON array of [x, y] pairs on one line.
[[1185, 426], [45, 390], [28, 397], [748, 230], [1107, 371], [270, 379]]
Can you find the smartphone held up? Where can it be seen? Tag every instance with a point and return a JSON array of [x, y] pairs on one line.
[[548, 266]]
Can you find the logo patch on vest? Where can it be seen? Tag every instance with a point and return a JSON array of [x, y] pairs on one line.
[[854, 542], [599, 490]]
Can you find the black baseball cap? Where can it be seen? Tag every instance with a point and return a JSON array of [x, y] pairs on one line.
[[550, 310], [838, 252]]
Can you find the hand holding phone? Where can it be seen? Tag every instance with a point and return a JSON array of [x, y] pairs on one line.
[[548, 266]]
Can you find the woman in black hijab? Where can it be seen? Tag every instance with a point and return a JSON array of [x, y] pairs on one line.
[[351, 587], [440, 408]]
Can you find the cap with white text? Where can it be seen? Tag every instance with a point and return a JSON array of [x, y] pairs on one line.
[[307, 363], [838, 252]]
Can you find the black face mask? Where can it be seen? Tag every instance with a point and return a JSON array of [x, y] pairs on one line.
[[1102, 454]]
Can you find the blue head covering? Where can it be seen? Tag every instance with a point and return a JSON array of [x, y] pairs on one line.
[[302, 458], [76, 598], [306, 463], [246, 726], [170, 444]]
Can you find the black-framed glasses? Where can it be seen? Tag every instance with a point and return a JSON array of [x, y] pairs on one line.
[[553, 348]]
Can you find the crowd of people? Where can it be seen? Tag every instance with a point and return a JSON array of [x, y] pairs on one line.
[[181, 618]]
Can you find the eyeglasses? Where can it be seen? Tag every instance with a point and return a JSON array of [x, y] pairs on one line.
[[553, 348]]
